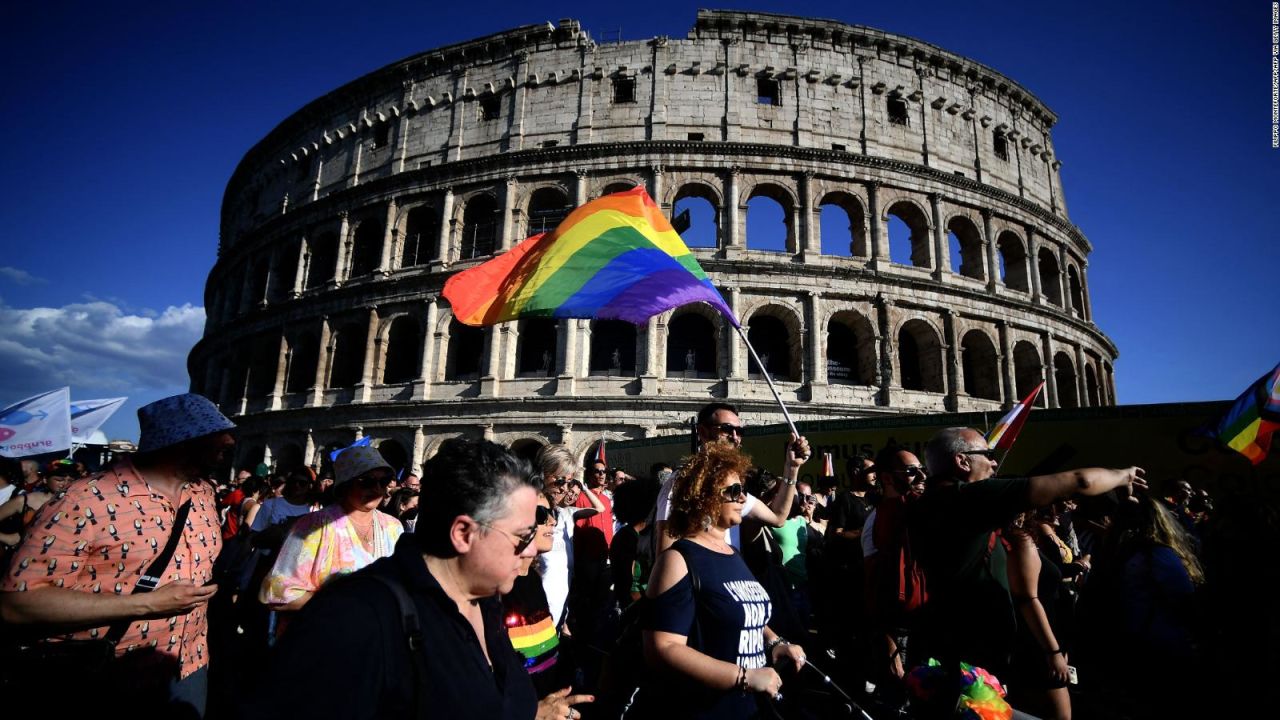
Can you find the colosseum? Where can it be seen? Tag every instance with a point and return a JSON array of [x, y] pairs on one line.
[[885, 217]]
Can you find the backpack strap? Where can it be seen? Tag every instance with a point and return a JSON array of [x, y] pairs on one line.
[[150, 579], [412, 626]]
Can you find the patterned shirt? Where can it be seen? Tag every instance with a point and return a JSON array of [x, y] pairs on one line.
[[321, 545], [100, 537]]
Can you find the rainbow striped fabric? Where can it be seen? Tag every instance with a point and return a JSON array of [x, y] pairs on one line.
[[1253, 418], [614, 258], [1006, 430], [537, 643]]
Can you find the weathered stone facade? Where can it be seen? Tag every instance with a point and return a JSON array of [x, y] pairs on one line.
[[325, 320]]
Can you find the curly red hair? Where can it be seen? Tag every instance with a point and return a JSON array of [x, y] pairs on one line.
[[696, 494]]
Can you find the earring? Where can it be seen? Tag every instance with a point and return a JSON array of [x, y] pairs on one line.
[[706, 522]]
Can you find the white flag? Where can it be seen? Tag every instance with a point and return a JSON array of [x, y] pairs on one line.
[[40, 424], [88, 415]]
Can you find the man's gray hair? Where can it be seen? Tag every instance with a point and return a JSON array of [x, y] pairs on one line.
[[552, 458], [942, 447]]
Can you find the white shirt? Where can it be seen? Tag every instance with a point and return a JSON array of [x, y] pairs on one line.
[[557, 563], [6, 492]]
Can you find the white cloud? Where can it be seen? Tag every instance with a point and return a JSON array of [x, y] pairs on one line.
[[19, 277], [97, 348]]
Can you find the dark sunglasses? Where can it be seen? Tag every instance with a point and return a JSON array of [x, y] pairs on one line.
[[369, 481], [560, 482], [988, 453], [598, 471], [913, 471], [734, 492], [544, 516], [523, 540], [729, 429], [806, 498]]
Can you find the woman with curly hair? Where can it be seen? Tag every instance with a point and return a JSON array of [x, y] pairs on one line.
[[707, 633]]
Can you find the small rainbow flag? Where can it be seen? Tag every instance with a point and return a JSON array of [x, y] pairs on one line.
[[1006, 430], [1253, 418], [600, 457], [614, 258]]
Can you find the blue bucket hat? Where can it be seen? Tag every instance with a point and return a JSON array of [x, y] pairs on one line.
[[356, 461], [178, 419]]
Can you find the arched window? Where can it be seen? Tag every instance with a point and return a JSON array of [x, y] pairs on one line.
[[421, 236], [1091, 386], [1064, 374], [773, 343], [536, 348], [1013, 262], [466, 349], [966, 248], [1028, 371], [366, 248], [348, 356], [404, 351], [769, 225], [920, 357], [613, 348], [547, 208], [395, 455], [841, 225], [691, 347], [980, 365], [701, 227], [1050, 278], [526, 448], [909, 235], [480, 226], [258, 283], [304, 353], [1077, 293], [851, 350], [323, 261], [281, 285], [616, 187], [262, 367]]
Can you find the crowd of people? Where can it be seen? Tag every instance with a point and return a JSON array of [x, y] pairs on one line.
[[493, 587]]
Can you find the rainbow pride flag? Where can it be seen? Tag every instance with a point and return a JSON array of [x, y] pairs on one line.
[[1253, 418], [1006, 430], [615, 258]]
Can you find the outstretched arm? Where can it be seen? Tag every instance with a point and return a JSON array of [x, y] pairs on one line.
[[1046, 489]]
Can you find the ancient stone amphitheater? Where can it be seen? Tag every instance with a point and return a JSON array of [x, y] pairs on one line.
[[887, 219]]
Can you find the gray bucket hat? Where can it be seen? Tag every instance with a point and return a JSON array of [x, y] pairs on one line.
[[356, 461], [177, 419]]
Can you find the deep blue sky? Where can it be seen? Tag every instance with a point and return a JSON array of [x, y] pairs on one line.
[[123, 121]]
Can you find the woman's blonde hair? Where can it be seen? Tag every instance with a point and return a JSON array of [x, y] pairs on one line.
[[552, 458], [695, 496]]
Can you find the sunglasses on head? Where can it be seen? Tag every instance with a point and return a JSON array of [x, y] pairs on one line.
[[544, 516], [734, 492], [987, 453]]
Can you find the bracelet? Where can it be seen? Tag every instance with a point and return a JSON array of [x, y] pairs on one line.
[[775, 642], [1059, 651]]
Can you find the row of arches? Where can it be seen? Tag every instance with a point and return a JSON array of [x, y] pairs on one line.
[[822, 218], [691, 343]]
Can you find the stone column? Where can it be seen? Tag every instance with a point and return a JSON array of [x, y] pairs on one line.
[[1082, 388], [817, 345], [884, 307], [993, 262], [811, 243], [493, 372], [1086, 312], [567, 333], [419, 448], [422, 386], [941, 250], [1033, 262], [282, 370], [656, 177], [879, 238], [1050, 381], [730, 224], [388, 239], [579, 187], [444, 244], [344, 248], [737, 366], [653, 367], [309, 449], [508, 212], [372, 351], [300, 277], [1065, 282], [953, 371], [322, 363], [566, 434], [1006, 365]]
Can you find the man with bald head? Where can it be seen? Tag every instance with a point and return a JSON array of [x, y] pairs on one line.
[[954, 526]]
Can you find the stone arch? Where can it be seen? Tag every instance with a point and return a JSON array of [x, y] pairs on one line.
[[1091, 386], [264, 358], [1075, 291], [1050, 276], [304, 354], [527, 447], [1013, 261], [366, 247], [776, 332], [609, 186], [346, 353], [613, 348], [966, 247], [920, 364], [420, 244], [851, 349], [548, 206], [1028, 371], [1064, 375], [916, 248], [833, 208], [322, 259], [980, 365], [481, 224], [403, 350], [280, 286], [288, 456], [394, 453], [464, 351], [700, 200], [764, 202], [693, 342], [536, 347]]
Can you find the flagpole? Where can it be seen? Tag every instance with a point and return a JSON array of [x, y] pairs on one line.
[[764, 371]]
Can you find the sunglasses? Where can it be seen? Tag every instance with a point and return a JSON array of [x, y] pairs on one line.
[[544, 516], [523, 540], [913, 471], [370, 481], [988, 453], [560, 482], [806, 498], [734, 492], [729, 429], [598, 471]]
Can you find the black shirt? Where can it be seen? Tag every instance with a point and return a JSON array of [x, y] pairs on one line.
[[346, 654], [848, 512]]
